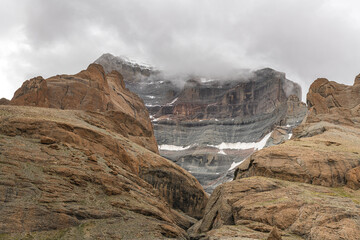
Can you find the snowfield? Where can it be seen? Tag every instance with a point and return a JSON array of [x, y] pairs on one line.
[[243, 145], [237, 146], [166, 147]]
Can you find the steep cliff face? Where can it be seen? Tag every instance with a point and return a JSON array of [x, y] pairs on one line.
[[91, 90], [258, 94], [212, 126], [91, 170], [308, 187], [208, 125], [148, 83], [236, 111], [130, 70], [330, 132]]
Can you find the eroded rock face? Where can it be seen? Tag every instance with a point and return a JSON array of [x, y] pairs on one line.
[[324, 149], [92, 90], [87, 177], [208, 114], [204, 113], [352, 178], [333, 102], [260, 93], [323, 159], [75, 173], [4, 101], [301, 211], [132, 71], [308, 187]]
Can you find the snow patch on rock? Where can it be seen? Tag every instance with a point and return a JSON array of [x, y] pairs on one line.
[[166, 147], [244, 145], [234, 165]]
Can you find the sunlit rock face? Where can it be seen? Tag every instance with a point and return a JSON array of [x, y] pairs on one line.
[[208, 125], [78, 152], [307, 187]]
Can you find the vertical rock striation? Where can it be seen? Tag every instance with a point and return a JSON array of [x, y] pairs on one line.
[[307, 187], [193, 120]]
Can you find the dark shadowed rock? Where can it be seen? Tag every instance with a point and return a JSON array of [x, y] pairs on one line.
[[4, 101]]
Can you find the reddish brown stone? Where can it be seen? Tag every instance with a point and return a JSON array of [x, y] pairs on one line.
[[92, 158], [47, 140], [46, 190], [353, 178], [274, 234], [302, 186], [4, 101], [93, 90]]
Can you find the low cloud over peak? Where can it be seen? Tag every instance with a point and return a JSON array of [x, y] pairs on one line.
[[306, 39]]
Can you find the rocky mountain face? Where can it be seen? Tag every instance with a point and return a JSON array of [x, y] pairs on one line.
[[79, 160], [307, 187], [207, 126], [4, 101], [130, 70]]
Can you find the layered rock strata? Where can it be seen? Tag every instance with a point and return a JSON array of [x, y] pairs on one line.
[[324, 148], [307, 187], [208, 125], [249, 208], [91, 170]]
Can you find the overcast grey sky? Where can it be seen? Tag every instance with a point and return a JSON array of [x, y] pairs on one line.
[[306, 39]]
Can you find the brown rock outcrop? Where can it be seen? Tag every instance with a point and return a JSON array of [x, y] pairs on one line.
[[353, 178], [4, 101], [325, 147], [274, 234], [333, 102], [308, 186], [92, 90], [301, 211], [75, 173], [322, 159]]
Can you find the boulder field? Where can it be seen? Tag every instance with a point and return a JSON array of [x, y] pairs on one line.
[[79, 160], [305, 188]]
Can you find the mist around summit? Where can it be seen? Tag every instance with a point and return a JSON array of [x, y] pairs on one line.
[[180, 119], [306, 39]]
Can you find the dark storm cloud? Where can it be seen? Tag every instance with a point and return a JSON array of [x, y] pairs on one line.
[[304, 38]]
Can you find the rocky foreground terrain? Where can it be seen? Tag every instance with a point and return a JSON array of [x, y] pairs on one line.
[[207, 126], [79, 160], [305, 188]]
